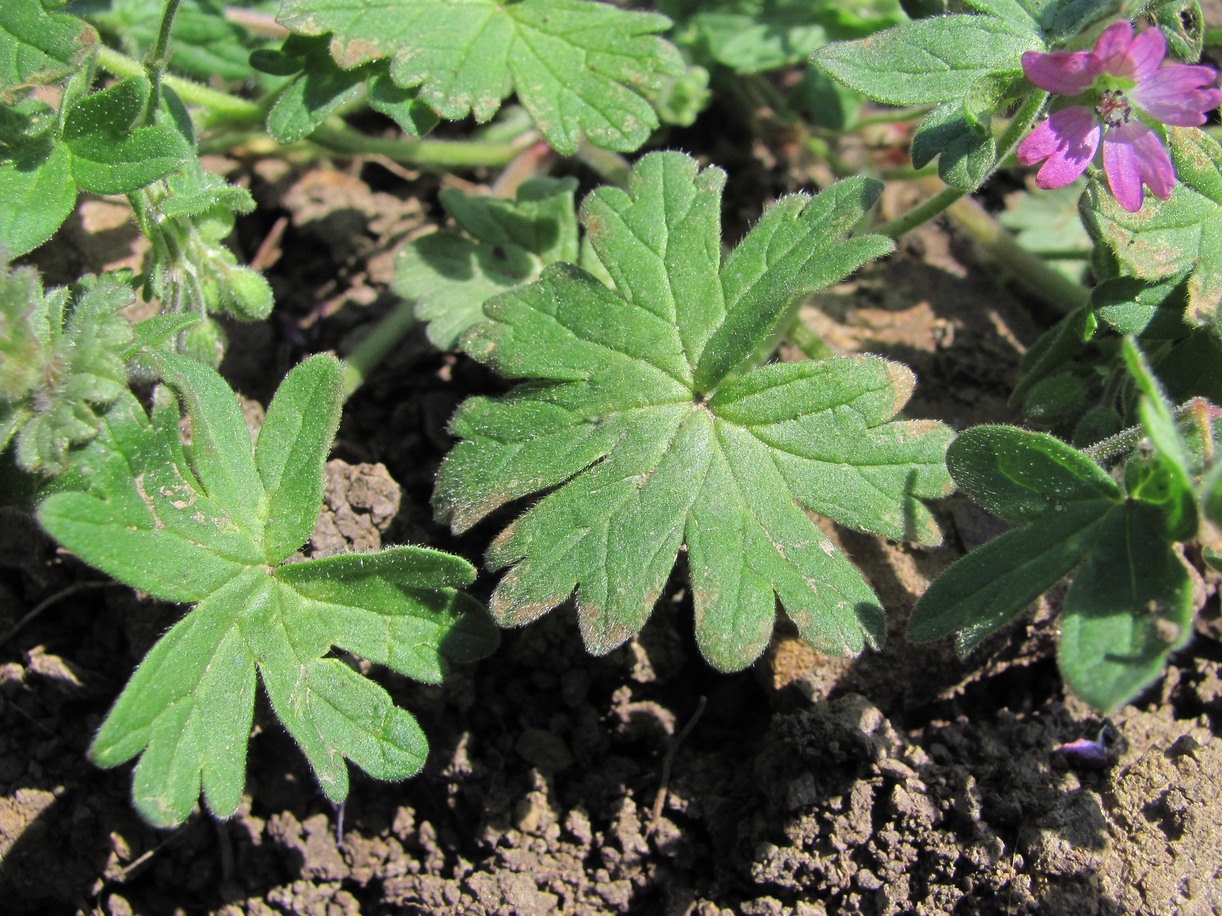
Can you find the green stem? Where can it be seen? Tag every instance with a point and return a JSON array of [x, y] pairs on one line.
[[920, 214], [1027, 270], [610, 166], [335, 135], [361, 362], [441, 154], [158, 58], [923, 212], [810, 343], [229, 107]]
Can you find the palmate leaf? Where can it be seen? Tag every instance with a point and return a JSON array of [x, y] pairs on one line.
[[213, 525], [634, 411], [579, 68]]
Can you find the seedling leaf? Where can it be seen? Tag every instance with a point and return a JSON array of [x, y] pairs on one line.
[[579, 68], [212, 524], [633, 412], [59, 362]]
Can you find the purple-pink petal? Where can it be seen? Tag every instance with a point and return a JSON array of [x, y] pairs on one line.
[[1111, 52], [1146, 53], [1065, 73], [1178, 94], [1133, 155], [1068, 140]]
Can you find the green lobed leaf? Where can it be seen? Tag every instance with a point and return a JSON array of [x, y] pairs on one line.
[[39, 45], [996, 582], [188, 707], [403, 106], [1129, 608], [105, 165], [186, 526], [1182, 22], [26, 332], [318, 86], [1054, 349], [220, 452], [1130, 602], [613, 415], [968, 151], [292, 448], [506, 243], [1171, 238], [579, 68], [929, 60], [1189, 368], [1028, 13], [1153, 310]]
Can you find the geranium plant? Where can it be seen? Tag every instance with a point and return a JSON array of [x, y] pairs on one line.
[[650, 420]]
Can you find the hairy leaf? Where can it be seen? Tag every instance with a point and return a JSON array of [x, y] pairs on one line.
[[506, 243], [110, 153], [579, 68], [1171, 238], [39, 45], [1130, 606], [637, 417], [59, 361], [1130, 602], [929, 60], [37, 193], [212, 524]]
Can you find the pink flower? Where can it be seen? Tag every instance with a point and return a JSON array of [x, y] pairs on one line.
[[1122, 85]]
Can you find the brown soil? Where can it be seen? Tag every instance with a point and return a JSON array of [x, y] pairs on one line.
[[902, 781]]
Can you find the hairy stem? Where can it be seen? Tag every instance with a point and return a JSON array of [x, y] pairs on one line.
[[158, 57], [228, 107], [438, 154], [1198, 410]]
